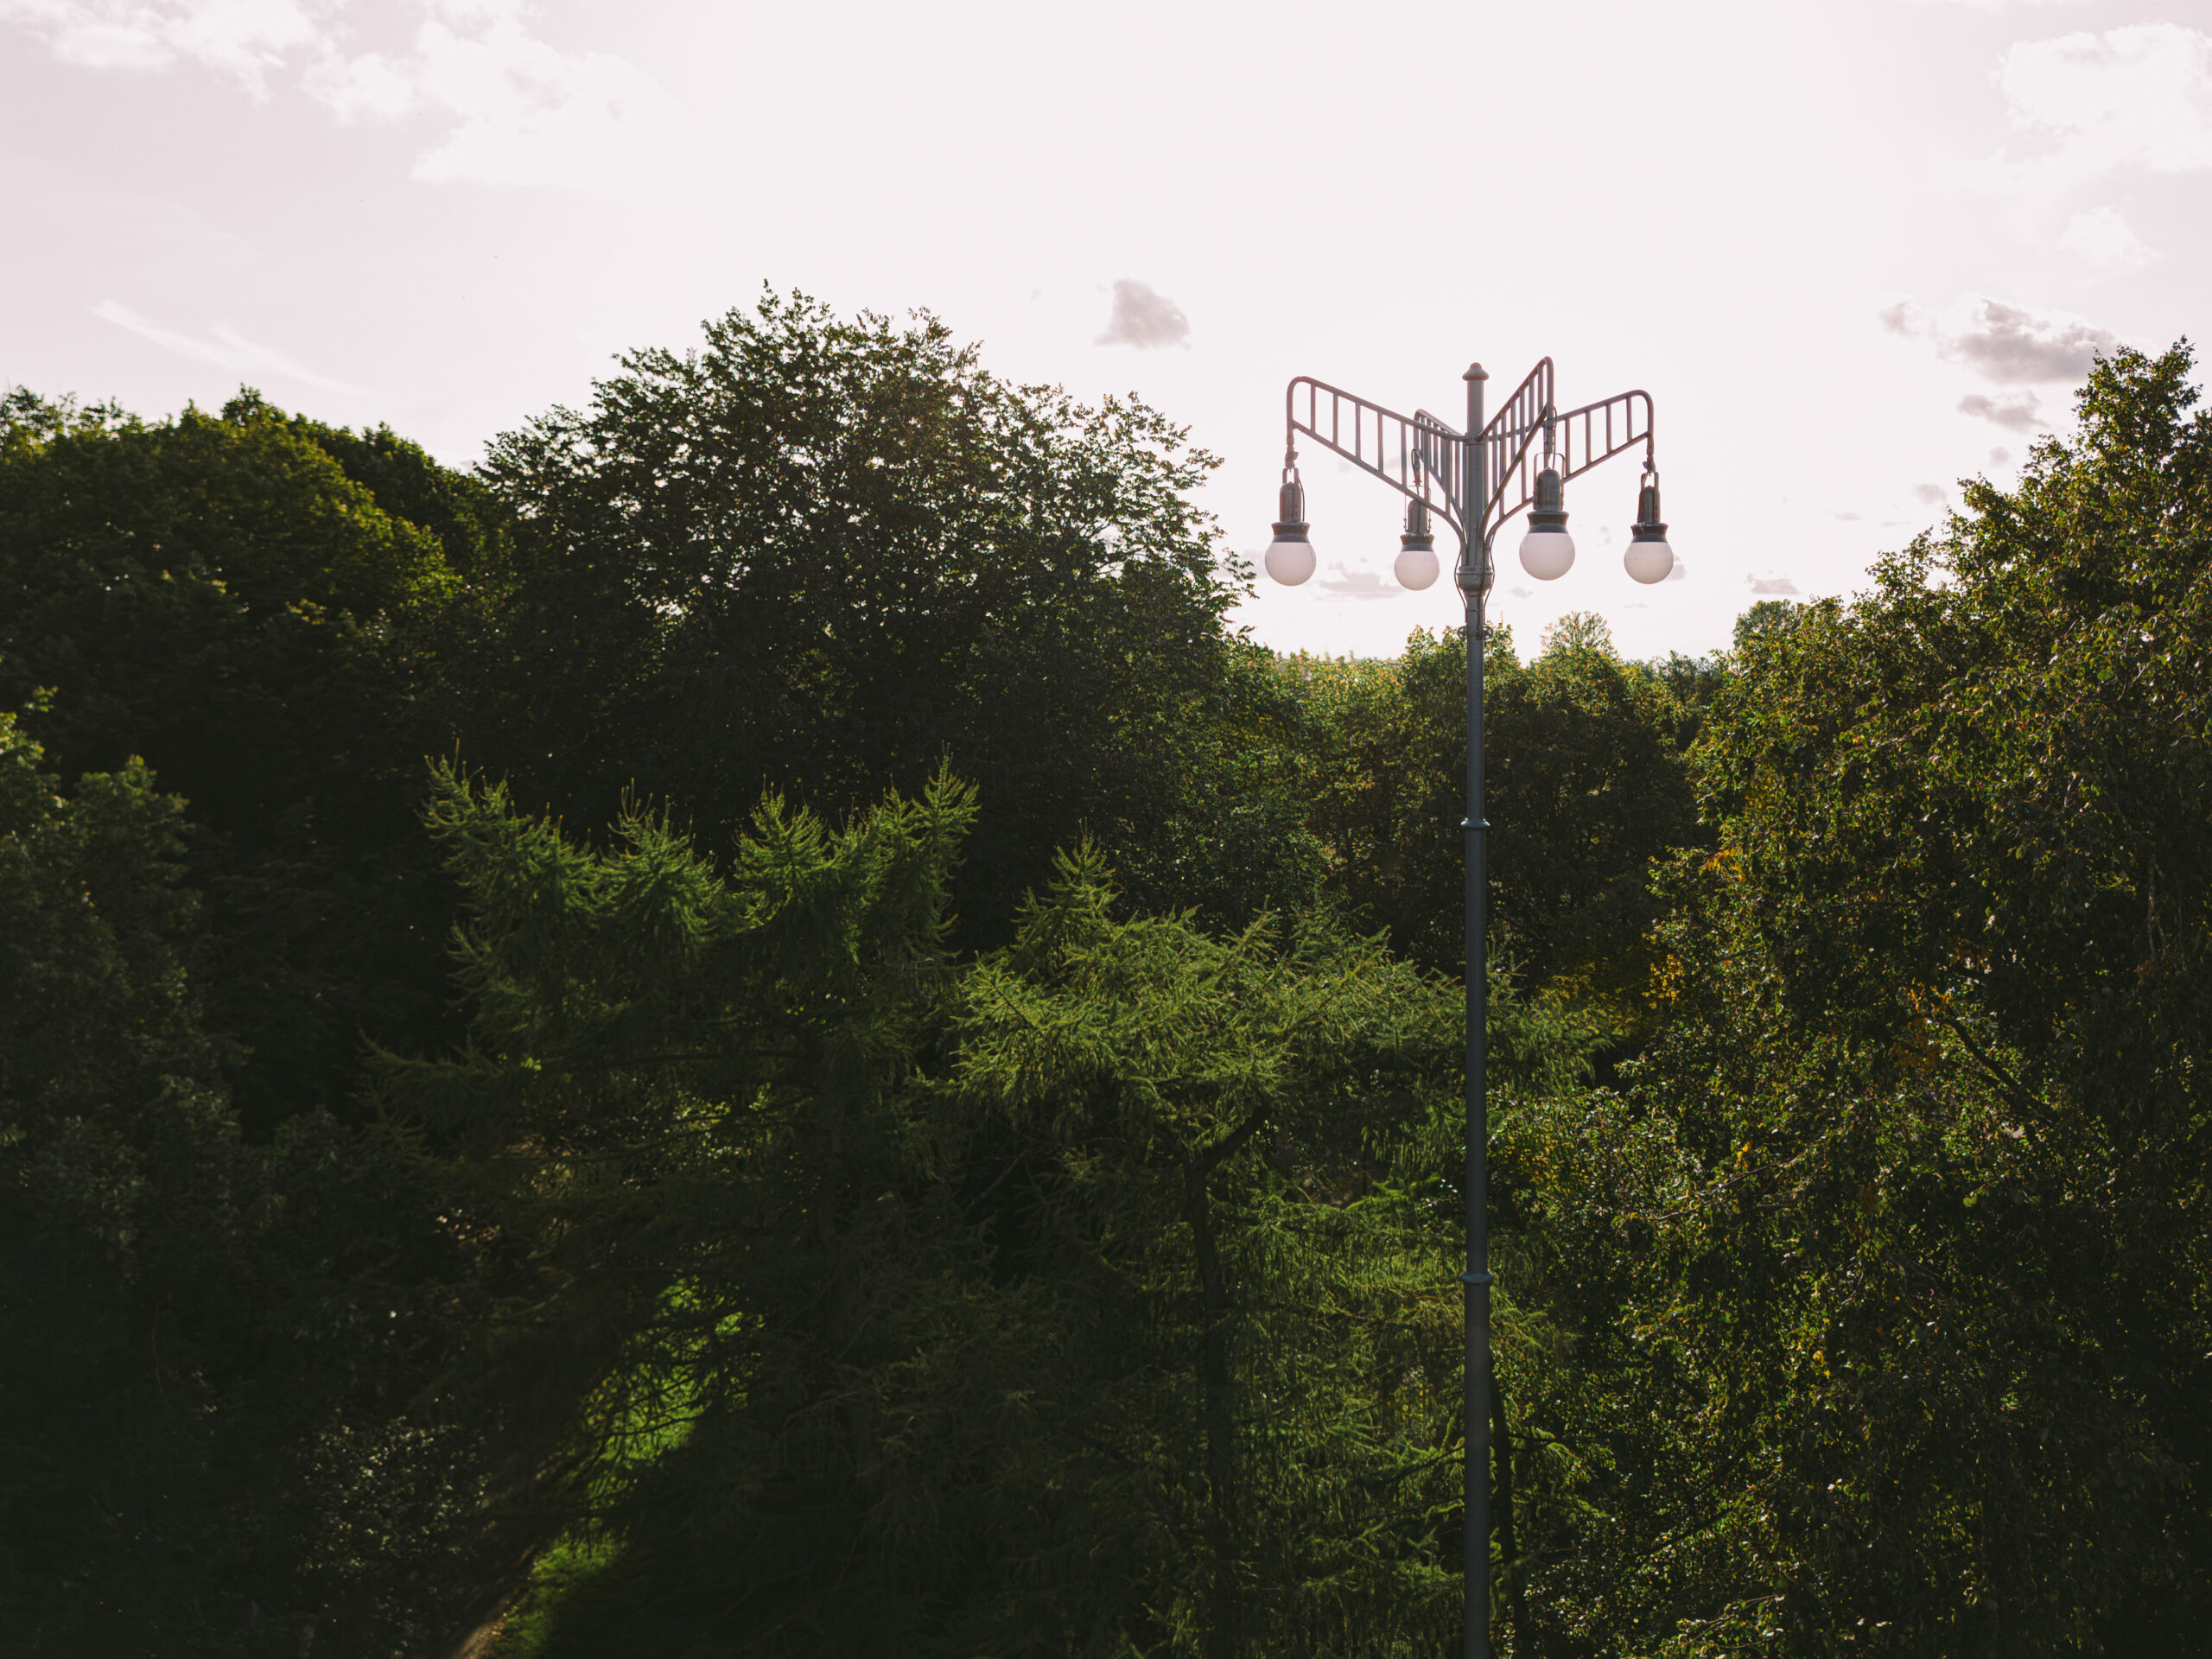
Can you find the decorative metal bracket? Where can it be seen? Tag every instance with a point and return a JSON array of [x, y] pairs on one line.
[[1582, 438], [1425, 458], [1428, 455]]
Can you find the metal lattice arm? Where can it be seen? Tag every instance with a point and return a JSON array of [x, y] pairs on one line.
[[1581, 439], [1423, 458], [1417, 455]]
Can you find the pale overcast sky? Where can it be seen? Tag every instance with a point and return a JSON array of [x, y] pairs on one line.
[[1854, 249]]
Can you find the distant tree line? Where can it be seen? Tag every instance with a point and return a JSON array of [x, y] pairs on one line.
[[755, 1030]]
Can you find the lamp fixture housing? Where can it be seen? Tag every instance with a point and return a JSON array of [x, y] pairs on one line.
[[1649, 557], [1547, 551], [1290, 556], [1416, 567]]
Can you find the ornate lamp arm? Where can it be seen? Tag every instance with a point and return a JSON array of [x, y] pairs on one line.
[[1424, 459], [1582, 439], [1417, 455], [1476, 485]]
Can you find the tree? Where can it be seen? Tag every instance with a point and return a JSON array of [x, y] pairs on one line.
[[206, 1348], [1092, 1294], [1897, 1240], [823, 557], [215, 594], [1586, 784]]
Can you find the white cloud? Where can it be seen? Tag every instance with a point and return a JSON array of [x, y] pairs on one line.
[[1348, 583], [228, 351], [1143, 318], [246, 39], [369, 85], [2011, 345], [2019, 413], [516, 108], [2140, 97], [1771, 586], [1995, 5], [525, 112], [2105, 239]]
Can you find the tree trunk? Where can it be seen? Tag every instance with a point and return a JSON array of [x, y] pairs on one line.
[[1508, 1544], [1216, 1415], [880, 1574]]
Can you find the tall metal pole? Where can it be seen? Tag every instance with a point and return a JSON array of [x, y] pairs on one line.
[[1474, 580], [1650, 560]]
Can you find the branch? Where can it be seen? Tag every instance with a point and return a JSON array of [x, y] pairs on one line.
[[2028, 1104]]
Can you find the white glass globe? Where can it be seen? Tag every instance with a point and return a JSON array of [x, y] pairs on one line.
[[1546, 553], [1290, 563], [1648, 562], [1416, 568]]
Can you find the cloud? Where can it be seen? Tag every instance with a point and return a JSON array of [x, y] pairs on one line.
[[2104, 239], [228, 351], [2018, 414], [1521, 593], [1680, 573], [524, 112], [1995, 5], [2140, 97], [1144, 318], [1348, 583], [2000, 454], [1771, 586], [243, 39], [515, 109], [2008, 344], [1930, 494], [1845, 518]]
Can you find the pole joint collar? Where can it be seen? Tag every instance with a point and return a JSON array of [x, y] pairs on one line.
[[1473, 1280]]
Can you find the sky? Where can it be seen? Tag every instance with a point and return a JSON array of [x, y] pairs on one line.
[[1855, 250]]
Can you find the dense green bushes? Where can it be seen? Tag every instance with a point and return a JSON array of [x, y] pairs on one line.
[[936, 1130], [1887, 1264], [209, 1348]]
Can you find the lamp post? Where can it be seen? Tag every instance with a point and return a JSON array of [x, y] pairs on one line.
[[1476, 480]]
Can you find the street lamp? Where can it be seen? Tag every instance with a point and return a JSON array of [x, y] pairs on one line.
[[1475, 480], [1649, 558], [1290, 555]]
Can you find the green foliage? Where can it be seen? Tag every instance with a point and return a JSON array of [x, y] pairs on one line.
[[1214, 1136], [1093, 1297], [1898, 1242], [845, 1211], [826, 557], [216, 594], [1763, 620], [203, 1434], [1586, 787]]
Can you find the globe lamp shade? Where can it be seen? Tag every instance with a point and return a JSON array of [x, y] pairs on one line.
[[1416, 567], [1648, 559], [1547, 552], [1290, 555]]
